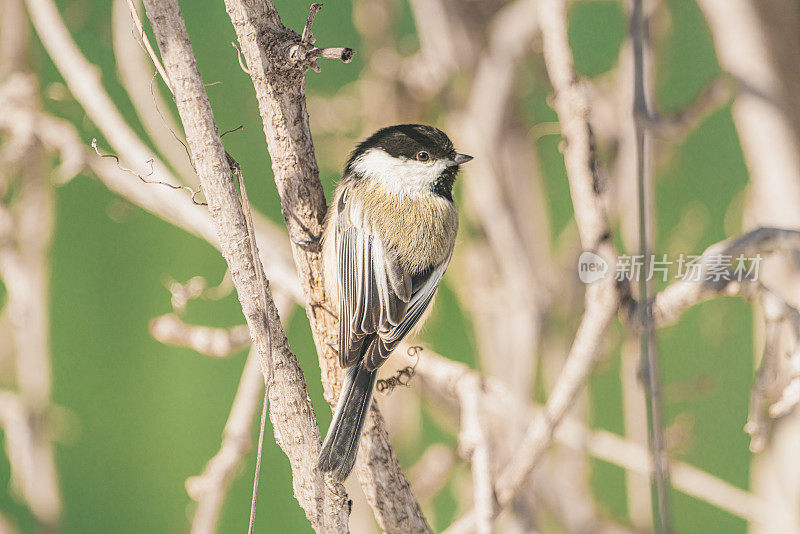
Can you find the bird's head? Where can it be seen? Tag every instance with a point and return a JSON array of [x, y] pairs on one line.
[[408, 159]]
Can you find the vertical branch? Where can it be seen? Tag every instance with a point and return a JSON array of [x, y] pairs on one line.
[[26, 225], [771, 148], [290, 408], [649, 371], [587, 188], [277, 59]]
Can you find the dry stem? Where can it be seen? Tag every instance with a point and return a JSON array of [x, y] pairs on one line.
[[290, 408], [277, 59]]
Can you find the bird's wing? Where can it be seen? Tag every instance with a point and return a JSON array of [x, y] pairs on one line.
[[424, 288], [376, 296], [374, 292]]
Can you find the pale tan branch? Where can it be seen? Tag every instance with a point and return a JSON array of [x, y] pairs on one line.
[[473, 445], [135, 70], [670, 303], [601, 299], [83, 80], [146, 42], [677, 126], [432, 471], [291, 412], [279, 83], [26, 226], [30, 457], [773, 393], [445, 376], [209, 488], [216, 342]]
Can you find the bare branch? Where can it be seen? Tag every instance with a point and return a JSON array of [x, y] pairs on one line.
[[677, 297], [677, 126], [209, 488], [135, 71], [474, 446], [496, 399], [30, 457], [216, 342], [432, 471], [84, 83], [26, 226], [146, 41], [649, 361], [601, 298], [279, 83], [290, 408]]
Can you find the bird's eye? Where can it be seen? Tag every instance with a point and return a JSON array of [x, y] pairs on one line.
[[423, 156]]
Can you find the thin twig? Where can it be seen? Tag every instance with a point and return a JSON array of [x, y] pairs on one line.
[[306, 36], [138, 74], [209, 488], [677, 126], [239, 57], [648, 358], [143, 36], [145, 178], [263, 284], [252, 525]]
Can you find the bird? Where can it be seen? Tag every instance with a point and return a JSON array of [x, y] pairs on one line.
[[388, 239]]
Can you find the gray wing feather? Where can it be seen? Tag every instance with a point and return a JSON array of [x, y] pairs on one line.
[[376, 295], [380, 349]]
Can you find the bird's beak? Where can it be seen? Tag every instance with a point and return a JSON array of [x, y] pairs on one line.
[[461, 158]]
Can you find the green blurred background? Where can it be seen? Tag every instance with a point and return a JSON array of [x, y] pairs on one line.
[[143, 417]]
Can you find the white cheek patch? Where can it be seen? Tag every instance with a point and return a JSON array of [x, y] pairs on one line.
[[399, 176]]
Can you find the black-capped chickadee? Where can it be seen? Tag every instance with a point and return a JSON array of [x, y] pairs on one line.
[[388, 239]]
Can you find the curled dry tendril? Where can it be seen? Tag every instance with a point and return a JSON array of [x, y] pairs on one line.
[[402, 377], [145, 178]]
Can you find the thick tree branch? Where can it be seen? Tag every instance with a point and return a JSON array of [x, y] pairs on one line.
[[277, 59], [290, 408]]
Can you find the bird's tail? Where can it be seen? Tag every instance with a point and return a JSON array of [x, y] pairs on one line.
[[341, 444]]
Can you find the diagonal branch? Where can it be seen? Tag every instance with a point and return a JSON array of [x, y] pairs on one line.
[[602, 298], [277, 59], [448, 378], [290, 408], [83, 82]]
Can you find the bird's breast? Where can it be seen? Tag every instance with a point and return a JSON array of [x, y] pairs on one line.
[[420, 230]]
